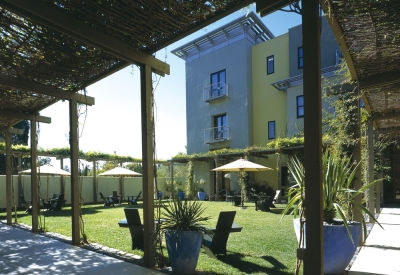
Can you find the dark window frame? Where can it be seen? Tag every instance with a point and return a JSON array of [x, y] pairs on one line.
[[271, 135], [272, 69], [221, 89], [300, 57], [218, 134], [298, 107]]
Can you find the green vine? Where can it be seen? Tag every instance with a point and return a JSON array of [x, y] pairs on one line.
[[65, 152], [190, 186]]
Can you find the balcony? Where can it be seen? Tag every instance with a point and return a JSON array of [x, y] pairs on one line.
[[215, 91], [216, 134]]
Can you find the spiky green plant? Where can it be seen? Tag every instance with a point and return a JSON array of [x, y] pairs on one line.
[[183, 215], [338, 198]]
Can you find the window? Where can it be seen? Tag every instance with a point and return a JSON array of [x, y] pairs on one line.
[[270, 65], [271, 129], [338, 56], [300, 57], [300, 106], [218, 80], [220, 127]]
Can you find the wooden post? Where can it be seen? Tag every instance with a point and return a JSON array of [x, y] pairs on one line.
[[217, 181], [62, 187], [279, 163], [74, 155], [19, 168], [148, 163], [357, 184], [34, 181], [379, 184], [371, 193], [9, 194], [94, 182], [314, 255]]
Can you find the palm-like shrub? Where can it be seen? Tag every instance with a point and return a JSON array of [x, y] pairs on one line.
[[183, 215], [338, 197]]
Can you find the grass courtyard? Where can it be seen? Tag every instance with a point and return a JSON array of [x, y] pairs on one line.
[[266, 244]]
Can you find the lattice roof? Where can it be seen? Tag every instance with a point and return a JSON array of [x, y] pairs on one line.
[[37, 48], [369, 33]]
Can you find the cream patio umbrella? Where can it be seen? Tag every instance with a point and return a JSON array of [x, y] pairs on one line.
[[241, 165], [46, 170], [120, 172]]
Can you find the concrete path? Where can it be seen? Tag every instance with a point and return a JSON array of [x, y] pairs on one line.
[[381, 253], [22, 252]]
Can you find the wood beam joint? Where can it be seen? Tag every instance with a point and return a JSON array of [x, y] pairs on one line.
[[27, 85], [26, 116]]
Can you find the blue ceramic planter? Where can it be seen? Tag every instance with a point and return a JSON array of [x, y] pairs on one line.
[[181, 195], [183, 251], [338, 248], [201, 195]]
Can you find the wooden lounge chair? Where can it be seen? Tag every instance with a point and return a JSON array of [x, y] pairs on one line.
[[135, 227], [55, 205], [134, 199], [116, 198], [217, 243], [107, 200]]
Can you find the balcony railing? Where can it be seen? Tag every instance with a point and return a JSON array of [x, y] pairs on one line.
[[216, 134], [214, 91]]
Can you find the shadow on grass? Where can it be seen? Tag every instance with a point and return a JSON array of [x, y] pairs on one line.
[[236, 260], [277, 210]]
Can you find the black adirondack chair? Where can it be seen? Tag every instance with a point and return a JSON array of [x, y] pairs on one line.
[[133, 199], [107, 200], [135, 227], [216, 244]]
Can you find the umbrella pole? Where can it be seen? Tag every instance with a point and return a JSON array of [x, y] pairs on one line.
[[241, 188]]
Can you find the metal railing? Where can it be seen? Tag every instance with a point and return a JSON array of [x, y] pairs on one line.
[[216, 134], [214, 91]]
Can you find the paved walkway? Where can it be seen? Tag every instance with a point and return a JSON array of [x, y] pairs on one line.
[[22, 252], [381, 253]]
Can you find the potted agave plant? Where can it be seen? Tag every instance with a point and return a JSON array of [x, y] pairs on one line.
[[182, 226], [341, 234]]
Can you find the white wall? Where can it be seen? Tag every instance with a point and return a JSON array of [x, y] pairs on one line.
[[52, 184]]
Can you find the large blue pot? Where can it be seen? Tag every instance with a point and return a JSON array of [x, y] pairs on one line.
[[338, 248], [183, 251], [181, 195], [201, 195]]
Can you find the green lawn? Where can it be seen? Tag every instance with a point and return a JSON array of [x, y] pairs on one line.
[[266, 245]]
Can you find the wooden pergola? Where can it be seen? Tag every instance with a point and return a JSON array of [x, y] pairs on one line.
[[52, 50]]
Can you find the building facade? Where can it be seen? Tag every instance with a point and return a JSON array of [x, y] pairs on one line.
[[244, 87]]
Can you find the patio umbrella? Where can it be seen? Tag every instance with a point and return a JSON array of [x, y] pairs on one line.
[[120, 172], [241, 165], [46, 170]]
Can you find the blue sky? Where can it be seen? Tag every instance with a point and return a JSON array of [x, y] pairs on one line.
[[113, 124]]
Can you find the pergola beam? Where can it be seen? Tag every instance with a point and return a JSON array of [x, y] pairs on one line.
[[27, 85], [12, 130], [25, 116], [267, 7], [379, 80], [391, 130], [384, 116], [55, 19]]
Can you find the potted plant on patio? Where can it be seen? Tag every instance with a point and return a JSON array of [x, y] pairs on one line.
[[200, 189], [182, 226], [341, 234]]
